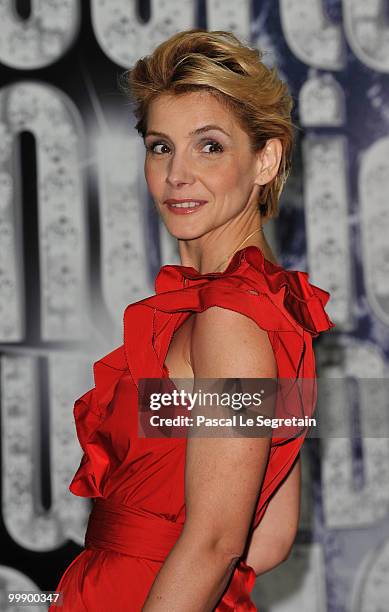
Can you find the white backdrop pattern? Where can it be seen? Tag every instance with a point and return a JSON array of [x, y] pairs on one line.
[[89, 167]]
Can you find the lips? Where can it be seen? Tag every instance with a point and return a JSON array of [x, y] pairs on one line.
[[184, 206], [174, 201]]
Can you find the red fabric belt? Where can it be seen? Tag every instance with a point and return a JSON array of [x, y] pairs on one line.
[[137, 533], [130, 531]]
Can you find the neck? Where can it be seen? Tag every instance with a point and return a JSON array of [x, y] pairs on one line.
[[226, 261], [213, 254]]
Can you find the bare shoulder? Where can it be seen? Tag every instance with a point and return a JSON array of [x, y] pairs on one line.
[[227, 343]]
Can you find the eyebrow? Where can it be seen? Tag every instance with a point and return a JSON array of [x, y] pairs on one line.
[[200, 130]]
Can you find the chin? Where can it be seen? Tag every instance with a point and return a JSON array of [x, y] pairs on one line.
[[183, 230], [183, 235]]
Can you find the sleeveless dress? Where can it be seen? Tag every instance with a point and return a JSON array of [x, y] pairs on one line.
[[137, 484]]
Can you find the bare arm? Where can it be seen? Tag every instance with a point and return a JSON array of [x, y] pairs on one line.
[[223, 476], [273, 538]]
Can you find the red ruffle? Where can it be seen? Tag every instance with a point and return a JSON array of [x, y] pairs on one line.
[[297, 300], [89, 412]]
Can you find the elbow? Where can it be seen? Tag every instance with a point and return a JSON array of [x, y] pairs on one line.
[[277, 552], [231, 551], [221, 547], [285, 548], [222, 550]]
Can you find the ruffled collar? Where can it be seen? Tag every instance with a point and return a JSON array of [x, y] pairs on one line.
[[172, 277], [302, 300]]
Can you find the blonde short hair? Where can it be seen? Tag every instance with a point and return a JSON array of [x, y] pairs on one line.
[[218, 62]]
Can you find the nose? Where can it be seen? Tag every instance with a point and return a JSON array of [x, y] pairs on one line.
[[179, 169]]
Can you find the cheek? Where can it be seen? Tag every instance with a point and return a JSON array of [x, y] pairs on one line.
[[227, 177], [153, 176]]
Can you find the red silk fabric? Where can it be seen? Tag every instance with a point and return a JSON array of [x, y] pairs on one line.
[[138, 483]]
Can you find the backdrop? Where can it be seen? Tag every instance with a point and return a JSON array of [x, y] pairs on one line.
[[79, 240]]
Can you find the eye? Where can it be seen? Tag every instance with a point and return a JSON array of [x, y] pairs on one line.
[[214, 143], [208, 143], [150, 147]]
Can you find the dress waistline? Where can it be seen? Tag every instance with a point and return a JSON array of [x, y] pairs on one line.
[[130, 531]]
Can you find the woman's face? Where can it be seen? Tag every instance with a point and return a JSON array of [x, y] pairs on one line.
[[185, 159]]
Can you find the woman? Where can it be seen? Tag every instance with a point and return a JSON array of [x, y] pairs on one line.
[[187, 524]]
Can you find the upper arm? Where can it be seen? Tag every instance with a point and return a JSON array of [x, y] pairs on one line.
[[223, 475]]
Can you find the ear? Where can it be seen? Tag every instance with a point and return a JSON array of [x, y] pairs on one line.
[[269, 159]]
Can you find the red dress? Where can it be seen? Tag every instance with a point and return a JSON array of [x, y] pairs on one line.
[[138, 483]]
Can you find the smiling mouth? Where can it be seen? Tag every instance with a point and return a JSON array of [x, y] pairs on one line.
[[185, 208], [185, 204]]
